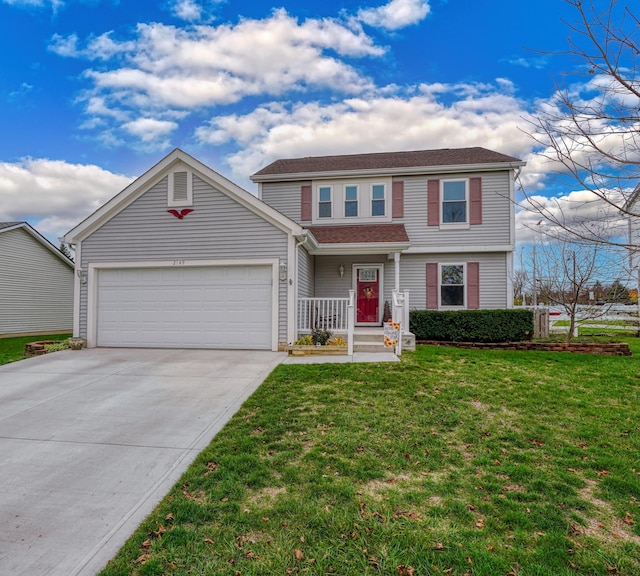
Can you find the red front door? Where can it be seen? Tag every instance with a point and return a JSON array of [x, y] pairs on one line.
[[368, 295]]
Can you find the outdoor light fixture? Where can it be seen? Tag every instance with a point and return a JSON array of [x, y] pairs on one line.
[[82, 275], [341, 270], [283, 272]]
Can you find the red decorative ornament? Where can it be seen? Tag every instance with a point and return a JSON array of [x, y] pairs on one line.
[[180, 214]]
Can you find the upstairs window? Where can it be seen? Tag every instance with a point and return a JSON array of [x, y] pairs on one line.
[[324, 202], [452, 285], [378, 200], [454, 201], [350, 201], [180, 191]]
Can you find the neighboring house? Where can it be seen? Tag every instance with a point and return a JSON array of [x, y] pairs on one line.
[[36, 283], [185, 258]]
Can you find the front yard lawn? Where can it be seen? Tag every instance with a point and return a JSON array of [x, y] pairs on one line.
[[12, 349], [453, 462]]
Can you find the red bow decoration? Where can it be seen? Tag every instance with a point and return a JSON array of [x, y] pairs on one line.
[[181, 214]]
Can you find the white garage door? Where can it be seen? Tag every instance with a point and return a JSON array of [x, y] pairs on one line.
[[185, 307]]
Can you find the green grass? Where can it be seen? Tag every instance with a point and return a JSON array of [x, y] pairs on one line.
[[12, 349], [461, 462]]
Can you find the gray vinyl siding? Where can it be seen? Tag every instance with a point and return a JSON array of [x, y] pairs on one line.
[[306, 274], [284, 197], [330, 285], [496, 213], [493, 277], [218, 228], [36, 287]]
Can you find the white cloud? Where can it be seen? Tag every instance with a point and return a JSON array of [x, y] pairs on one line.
[[151, 131], [54, 4], [165, 70], [56, 193], [396, 14], [187, 10], [476, 115], [580, 211]]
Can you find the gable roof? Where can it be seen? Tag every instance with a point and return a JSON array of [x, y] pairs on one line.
[[417, 161], [8, 226], [139, 186], [357, 239], [360, 233]]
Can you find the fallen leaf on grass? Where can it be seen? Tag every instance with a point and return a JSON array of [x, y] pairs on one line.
[[146, 544], [612, 570], [209, 541], [405, 570], [538, 442], [169, 517], [211, 467], [439, 546], [142, 559], [298, 554], [480, 523], [603, 473], [628, 519], [373, 562]]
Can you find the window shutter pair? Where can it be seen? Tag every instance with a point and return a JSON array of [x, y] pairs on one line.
[[475, 201], [472, 281], [397, 201]]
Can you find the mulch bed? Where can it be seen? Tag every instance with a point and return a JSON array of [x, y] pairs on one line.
[[602, 348]]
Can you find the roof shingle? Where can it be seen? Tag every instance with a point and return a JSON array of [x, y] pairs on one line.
[[385, 161], [360, 234]]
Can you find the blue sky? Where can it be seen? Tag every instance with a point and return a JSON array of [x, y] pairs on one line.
[[94, 92]]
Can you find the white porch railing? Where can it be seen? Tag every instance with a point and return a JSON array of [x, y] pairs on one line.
[[400, 313], [326, 313]]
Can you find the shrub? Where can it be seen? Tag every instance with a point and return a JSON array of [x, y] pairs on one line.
[[472, 325], [57, 346], [320, 337]]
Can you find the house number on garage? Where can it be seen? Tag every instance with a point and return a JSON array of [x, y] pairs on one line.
[[179, 262]]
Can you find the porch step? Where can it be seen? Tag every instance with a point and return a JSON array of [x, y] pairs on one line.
[[370, 341]]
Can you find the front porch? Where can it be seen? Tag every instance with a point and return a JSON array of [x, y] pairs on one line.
[[338, 316]]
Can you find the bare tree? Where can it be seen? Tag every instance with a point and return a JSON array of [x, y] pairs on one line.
[[568, 273], [590, 129]]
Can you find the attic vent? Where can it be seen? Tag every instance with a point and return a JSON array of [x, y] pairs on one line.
[[180, 189], [180, 192]]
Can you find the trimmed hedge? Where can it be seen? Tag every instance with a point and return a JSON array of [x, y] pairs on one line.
[[472, 325]]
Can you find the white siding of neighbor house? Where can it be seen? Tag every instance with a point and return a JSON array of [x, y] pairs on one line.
[[306, 276], [494, 284], [36, 287], [285, 197], [218, 228]]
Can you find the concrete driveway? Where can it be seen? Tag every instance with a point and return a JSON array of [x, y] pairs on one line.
[[91, 440]]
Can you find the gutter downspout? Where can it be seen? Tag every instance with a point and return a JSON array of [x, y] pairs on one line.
[[296, 290]]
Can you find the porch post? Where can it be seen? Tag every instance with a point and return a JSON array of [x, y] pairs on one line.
[[351, 321], [396, 261]]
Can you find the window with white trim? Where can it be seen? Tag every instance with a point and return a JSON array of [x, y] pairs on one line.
[[454, 201], [324, 202], [350, 201], [378, 199], [452, 285], [180, 188]]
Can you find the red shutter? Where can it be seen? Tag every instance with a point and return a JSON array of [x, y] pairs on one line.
[[473, 285], [397, 200], [433, 202], [475, 195], [305, 203], [432, 286]]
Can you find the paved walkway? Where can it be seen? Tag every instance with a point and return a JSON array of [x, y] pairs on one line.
[[91, 440]]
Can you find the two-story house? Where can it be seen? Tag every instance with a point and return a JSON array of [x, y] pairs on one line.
[[185, 258]]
